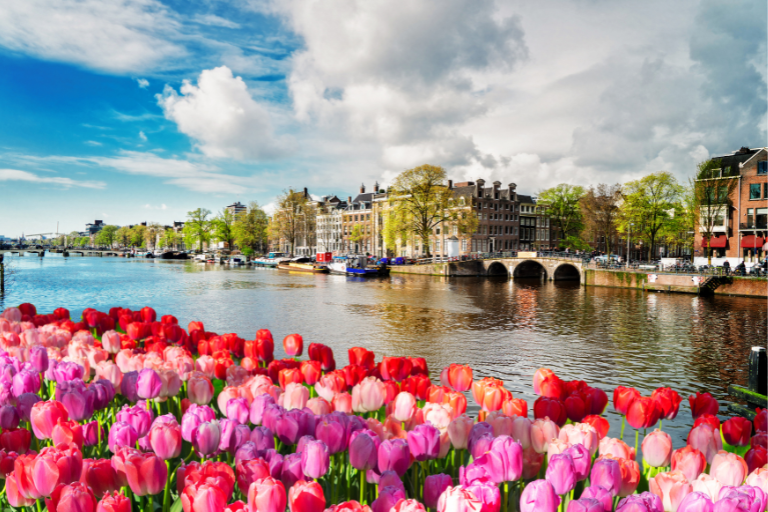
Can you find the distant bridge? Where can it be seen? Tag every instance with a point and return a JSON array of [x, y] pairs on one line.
[[67, 252]]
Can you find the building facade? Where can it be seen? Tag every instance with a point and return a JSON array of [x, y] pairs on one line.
[[498, 215], [329, 225], [236, 209]]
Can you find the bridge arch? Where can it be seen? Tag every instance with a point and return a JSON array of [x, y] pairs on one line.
[[497, 268], [529, 268], [566, 272]]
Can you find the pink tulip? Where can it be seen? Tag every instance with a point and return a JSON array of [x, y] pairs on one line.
[[146, 474], [295, 396], [206, 437], [606, 473], [539, 496], [319, 406], [458, 499], [561, 473], [45, 415], [616, 448], [387, 498], [708, 485], [657, 449], [706, 439], [671, 487], [759, 478], [73, 497], [582, 460], [165, 437], [424, 442], [585, 505], [543, 431], [458, 431], [510, 453], [394, 455], [121, 434], [363, 450], [110, 341], [500, 423], [238, 410], [728, 468], [405, 406], [488, 494], [266, 495], [603, 496], [584, 434], [434, 485], [114, 502], [149, 384], [690, 461], [56, 465], [408, 506], [342, 402], [203, 497], [315, 459], [199, 389], [696, 502], [368, 395], [521, 431]]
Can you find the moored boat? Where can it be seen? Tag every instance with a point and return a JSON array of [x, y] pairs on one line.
[[272, 259], [302, 265], [356, 266]]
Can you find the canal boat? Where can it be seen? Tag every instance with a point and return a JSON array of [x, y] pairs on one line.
[[356, 266], [236, 260], [272, 259], [302, 265]]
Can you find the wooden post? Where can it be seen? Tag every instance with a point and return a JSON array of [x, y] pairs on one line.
[[758, 376]]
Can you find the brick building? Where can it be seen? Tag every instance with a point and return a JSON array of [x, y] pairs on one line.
[[743, 231], [498, 215]]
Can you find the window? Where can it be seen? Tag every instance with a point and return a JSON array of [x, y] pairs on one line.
[[761, 217], [762, 167], [463, 246], [765, 190], [754, 191]]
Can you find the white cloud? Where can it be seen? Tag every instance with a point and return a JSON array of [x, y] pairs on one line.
[[213, 20], [117, 36], [143, 83], [150, 207], [142, 136], [16, 175], [222, 117], [93, 143]]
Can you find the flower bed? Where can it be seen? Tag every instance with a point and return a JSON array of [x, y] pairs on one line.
[[121, 411]]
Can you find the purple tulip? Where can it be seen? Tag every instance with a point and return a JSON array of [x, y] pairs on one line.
[[275, 461], [247, 451], [696, 502], [128, 386], [76, 398], [424, 442], [747, 497], [24, 405], [488, 494], [539, 496], [263, 438], [66, 371], [195, 415], [333, 433], [25, 382], [137, 416], [315, 459], [91, 433], [606, 473], [233, 435], [479, 445], [643, 502], [287, 429], [103, 393], [306, 421], [145, 444], [585, 505], [205, 438], [353, 423], [434, 485], [561, 473], [602, 495], [511, 454], [9, 417], [121, 434], [390, 479], [582, 460], [271, 414], [149, 385], [388, 496], [364, 450], [291, 471], [38, 356], [394, 454], [259, 404], [303, 442], [237, 410]]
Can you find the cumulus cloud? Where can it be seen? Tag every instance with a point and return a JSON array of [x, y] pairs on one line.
[[143, 83], [17, 175], [116, 36], [222, 117]]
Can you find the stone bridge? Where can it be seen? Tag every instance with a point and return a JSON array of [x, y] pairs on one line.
[[69, 252], [549, 268]]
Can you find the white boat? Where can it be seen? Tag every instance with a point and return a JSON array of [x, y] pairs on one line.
[[200, 258], [272, 259], [236, 260], [356, 266]]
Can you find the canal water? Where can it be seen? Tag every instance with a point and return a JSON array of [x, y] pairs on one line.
[[502, 328]]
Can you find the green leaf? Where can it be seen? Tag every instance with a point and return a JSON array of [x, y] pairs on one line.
[[176, 507]]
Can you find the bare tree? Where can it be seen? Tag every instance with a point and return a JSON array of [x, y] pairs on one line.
[[712, 190], [600, 208]]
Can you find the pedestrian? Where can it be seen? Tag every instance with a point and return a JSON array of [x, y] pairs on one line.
[[727, 267]]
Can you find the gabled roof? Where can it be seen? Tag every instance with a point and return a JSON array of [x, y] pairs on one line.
[[756, 154]]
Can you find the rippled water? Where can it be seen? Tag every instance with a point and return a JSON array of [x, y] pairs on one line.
[[505, 329]]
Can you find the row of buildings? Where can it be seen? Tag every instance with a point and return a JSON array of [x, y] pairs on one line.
[[507, 221]]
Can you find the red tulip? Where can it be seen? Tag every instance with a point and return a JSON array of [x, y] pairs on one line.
[[643, 412], [416, 385], [288, 375], [265, 346], [66, 432], [306, 497], [23, 477], [218, 473], [148, 314], [756, 457], [540, 375], [459, 402], [353, 374], [359, 356], [703, 403], [99, 475], [761, 420], [737, 431], [322, 354], [16, 439], [710, 420], [551, 386], [395, 368], [311, 371], [418, 366], [575, 407], [459, 377], [75, 497], [203, 497], [690, 461], [596, 400], [550, 408], [139, 330], [146, 473], [623, 398], [27, 309], [601, 424], [45, 415], [293, 344], [115, 502], [266, 495], [56, 465], [248, 471], [515, 407]]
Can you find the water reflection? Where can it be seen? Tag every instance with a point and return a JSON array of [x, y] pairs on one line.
[[503, 328]]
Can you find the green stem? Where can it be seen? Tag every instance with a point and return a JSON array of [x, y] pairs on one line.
[[623, 418], [660, 423], [505, 497], [362, 487], [167, 491], [637, 438]]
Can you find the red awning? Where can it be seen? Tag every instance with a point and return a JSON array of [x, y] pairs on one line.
[[752, 241], [716, 243]]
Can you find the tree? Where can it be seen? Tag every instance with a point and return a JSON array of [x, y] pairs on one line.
[[358, 235], [648, 206], [152, 233], [222, 226], [295, 219], [106, 236], [712, 190], [169, 238], [250, 229], [420, 201], [564, 209], [197, 229], [137, 235], [123, 236], [600, 210], [83, 241]]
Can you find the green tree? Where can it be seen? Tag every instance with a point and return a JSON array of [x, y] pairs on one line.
[[221, 227], [123, 236], [712, 191], [357, 235], [295, 219], [152, 233], [563, 204], [419, 202], [197, 228], [169, 238], [137, 235], [83, 241], [106, 236], [648, 207], [600, 211], [251, 229]]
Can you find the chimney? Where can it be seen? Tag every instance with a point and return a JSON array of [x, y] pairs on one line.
[[450, 184], [362, 188], [306, 193], [512, 187], [349, 200], [376, 187], [479, 184]]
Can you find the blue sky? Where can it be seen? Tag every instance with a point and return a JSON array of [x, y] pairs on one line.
[[137, 110]]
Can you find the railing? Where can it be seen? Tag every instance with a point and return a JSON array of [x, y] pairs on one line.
[[756, 225]]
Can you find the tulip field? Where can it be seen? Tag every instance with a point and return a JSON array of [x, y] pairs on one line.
[[120, 411]]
